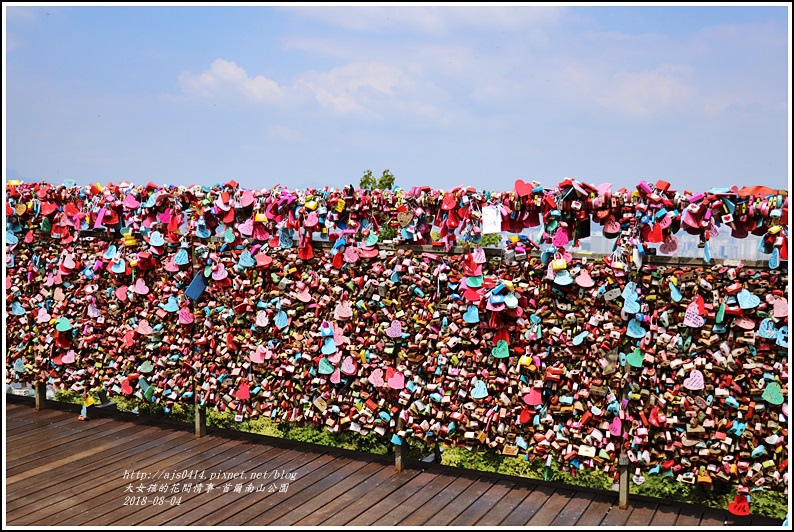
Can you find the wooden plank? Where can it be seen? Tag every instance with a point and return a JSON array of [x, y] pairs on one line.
[[572, 511], [304, 465], [712, 517], [78, 449], [439, 502], [360, 505], [244, 458], [545, 515], [367, 489], [51, 488], [50, 426], [392, 500], [597, 510], [216, 501], [665, 515], [475, 490], [309, 499], [616, 516], [111, 486], [115, 511], [206, 501], [314, 503], [509, 502], [324, 466], [477, 509], [689, 517], [45, 443], [531, 504], [415, 501], [641, 514]]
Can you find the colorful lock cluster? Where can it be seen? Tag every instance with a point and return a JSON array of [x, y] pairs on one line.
[[286, 304]]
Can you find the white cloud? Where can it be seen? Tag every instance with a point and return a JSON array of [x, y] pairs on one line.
[[433, 19], [27, 14], [642, 94], [281, 132], [225, 79]]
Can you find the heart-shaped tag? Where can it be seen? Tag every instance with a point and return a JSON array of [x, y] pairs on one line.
[[534, 397], [329, 346], [692, 318], [126, 388], [635, 329], [396, 381], [246, 260], [343, 310], [631, 306], [635, 358], [349, 366], [351, 254], [739, 506], [372, 239], [780, 308], [17, 309], [670, 245], [243, 392], [772, 394], [695, 380], [616, 427], [281, 320], [743, 322], [480, 390], [325, 367], [336, 376], [376, 378], [523, 189], [140, 287], [767, 329], [121, 293], [404, 218], [395, 330], [146, 367], [247, 227], [43, 316], [747, 300], [584, 279], [69, 357], [144, 328], [501, 350], [63, 324], [220, 272], [560, 239], [93, 311], [472, 315], [258, 355], [182, 257], [172, 305], [285, 239], [675, 293], [171, 266], [156, 239], [130, 202], [262, 319], [782, 337]]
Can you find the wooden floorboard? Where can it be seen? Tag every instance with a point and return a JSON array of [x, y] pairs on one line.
[[477, 509], [364, 488], [641, 514], [370, 499], [597, 510], [395, 498], [549, 511], [509, 502], [522, 513], [439, 502], [415, 501], [572, 511], [65, 472]]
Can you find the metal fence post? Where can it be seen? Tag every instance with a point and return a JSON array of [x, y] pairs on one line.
[[40, 389]]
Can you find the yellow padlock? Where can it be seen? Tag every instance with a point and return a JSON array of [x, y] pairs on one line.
[[260, 217], [340, 205], [311, 205]]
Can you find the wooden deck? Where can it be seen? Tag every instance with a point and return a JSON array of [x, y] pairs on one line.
[[65, 472]]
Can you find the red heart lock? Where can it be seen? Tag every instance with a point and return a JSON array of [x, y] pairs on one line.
[[523, 189], [739, 506]]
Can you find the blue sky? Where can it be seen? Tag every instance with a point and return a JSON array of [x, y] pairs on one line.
[[442, 96]]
